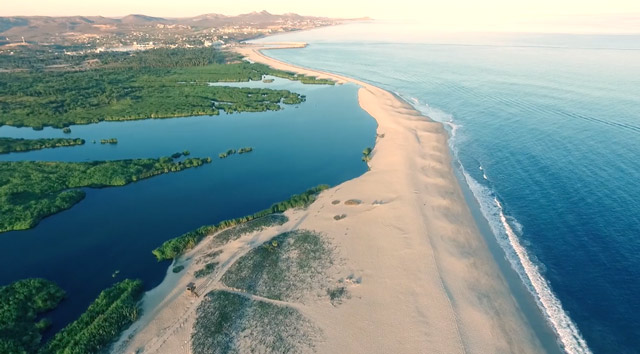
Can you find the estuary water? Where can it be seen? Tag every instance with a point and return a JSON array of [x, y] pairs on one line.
[[319, 141], [545, 130]]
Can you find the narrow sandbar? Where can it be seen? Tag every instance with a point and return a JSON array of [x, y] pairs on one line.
[[429, 283], [426, 281]]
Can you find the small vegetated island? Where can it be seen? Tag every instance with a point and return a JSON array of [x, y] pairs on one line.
[[32, 190], [157, 83], [111, 141], [244, 150], [8, 145]]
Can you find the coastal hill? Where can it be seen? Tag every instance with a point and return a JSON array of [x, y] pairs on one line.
[[43, 30]]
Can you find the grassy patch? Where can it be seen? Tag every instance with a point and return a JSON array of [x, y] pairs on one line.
[[206, 270], [177, 269], [232, 323], [213, 255], [285, 268]]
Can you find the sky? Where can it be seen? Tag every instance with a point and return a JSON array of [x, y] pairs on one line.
[[618, 16]]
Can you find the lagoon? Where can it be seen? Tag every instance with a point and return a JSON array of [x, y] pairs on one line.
[[318, 141]]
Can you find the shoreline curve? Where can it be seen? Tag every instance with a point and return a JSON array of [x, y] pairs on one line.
[[427, 281], [493, 324]]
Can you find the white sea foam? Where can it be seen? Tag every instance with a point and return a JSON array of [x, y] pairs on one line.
[[433, 113], [528, 271], [506, 230]]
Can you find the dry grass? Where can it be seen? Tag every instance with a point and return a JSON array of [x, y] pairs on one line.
[[287, 268], [234, 323]]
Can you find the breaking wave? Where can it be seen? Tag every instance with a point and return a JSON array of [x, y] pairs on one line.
[[506, 230]]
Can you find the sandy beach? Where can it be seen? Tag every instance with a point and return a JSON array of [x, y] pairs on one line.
[[424, 280]]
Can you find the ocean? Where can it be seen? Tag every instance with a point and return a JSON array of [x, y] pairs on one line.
[[545, 131]]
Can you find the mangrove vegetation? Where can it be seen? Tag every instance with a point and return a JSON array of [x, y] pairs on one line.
[[173, 248], [8, 145], [32, 190], [159, 83], [243, 150], [22, 305], [112, 312], [224, 155]]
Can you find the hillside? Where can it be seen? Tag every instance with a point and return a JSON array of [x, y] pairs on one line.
[[95, 30]]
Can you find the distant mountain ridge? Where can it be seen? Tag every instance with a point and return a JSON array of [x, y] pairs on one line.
[[141, 19], [15, 25], [82, 33]]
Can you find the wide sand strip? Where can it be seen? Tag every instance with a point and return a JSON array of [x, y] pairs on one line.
[[419, 276], [429, 283]]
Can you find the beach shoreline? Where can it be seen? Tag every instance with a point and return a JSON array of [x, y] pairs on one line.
[[429, 281], [256, 54]]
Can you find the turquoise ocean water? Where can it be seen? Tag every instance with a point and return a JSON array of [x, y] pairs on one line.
[[545, 130]]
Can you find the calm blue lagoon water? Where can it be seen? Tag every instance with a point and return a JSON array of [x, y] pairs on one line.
[[317, 142], [546, 133]]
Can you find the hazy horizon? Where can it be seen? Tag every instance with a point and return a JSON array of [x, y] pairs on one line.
[[569, 16]]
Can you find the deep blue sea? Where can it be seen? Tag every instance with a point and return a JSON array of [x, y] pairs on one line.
[[319, 141], [545, 129]]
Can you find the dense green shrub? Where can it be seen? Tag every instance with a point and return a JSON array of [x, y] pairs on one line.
[[113, 311], [366, 154], [32, 190], [173, 248], [21, 303], [59, 99], [14, 145]]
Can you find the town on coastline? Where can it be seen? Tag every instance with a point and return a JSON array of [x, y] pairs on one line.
[[81, 35]]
